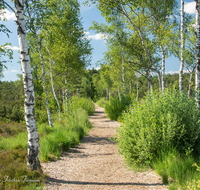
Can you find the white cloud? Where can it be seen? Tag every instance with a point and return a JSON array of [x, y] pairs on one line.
[[14, 71], [190, 7], [176, 72], [98, 36], [86, 33], [97, 68], [11, 47], [5, 13]]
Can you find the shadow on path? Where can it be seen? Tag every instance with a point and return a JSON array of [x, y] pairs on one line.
[[49, 179]]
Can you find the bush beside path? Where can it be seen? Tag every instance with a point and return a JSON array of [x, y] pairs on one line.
[[95, 164]]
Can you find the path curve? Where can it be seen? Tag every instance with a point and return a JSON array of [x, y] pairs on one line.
[[95, 164]]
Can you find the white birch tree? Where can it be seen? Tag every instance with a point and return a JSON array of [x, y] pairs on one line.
[[182, 47], [39, 42], [33, 162], [197, 75]]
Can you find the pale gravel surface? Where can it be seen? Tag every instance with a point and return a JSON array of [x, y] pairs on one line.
[[95, 164]]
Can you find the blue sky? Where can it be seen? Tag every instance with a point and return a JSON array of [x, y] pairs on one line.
[[88, 14]]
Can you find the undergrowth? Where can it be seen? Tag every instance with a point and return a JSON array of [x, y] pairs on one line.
[[163, 131], [53, 141]]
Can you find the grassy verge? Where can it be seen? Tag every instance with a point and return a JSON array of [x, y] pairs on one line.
[[53, 141]]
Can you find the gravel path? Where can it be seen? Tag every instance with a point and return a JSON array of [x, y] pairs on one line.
[[95, 164]]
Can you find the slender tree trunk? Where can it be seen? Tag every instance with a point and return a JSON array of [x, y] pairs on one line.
[[197, 75], [107, 94], [52, 85], [123, 76], [33, 161], [130, 87], [190, 82], [182, 47], [137, 86], [67, 97], [42, 64], [43, 81], [63, 92], [163, 69], [143, 45], [118, 88]]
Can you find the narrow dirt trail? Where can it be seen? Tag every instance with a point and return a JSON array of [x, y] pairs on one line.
[[95, 164]]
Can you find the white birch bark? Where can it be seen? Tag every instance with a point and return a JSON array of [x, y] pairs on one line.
[[143, 45], [67, 97], [163, 68], [63, 96], [182, 47], [43, 82], [118, 88], [33, 161], [77, 92], [107, 94], [52, 86], [197, 74], [42, 64], [123, 76]]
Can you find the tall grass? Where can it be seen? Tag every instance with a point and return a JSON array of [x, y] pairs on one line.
[[53, 141], [64, 135], [84, 103]]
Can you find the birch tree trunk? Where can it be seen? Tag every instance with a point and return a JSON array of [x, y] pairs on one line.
[[143, 45], [197, 75], [43, 81], [182, 47], [70, 96], [42, 64], [33, 161], [63, 96], [190, 82], [163, 68], [118, 88], [67, 97], [123, 76], [107, 94], [77, 91], [53, 85]]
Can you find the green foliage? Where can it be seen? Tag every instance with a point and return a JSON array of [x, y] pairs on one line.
[[12, 110], [102, 102], [84, 103], [64, 135], [115, 107], [157, 123], [170, 164]]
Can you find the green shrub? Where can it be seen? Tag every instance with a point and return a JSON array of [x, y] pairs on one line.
[[102, 102], [157, 123], [115, 107], [84, 103]]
